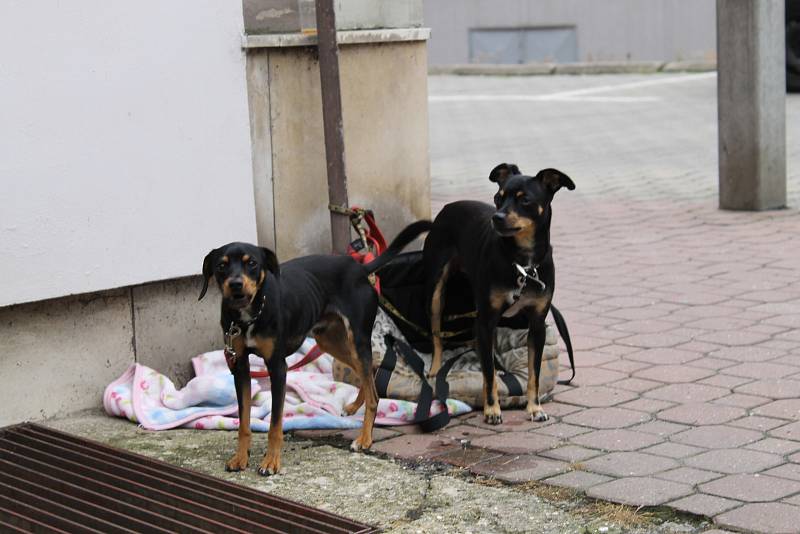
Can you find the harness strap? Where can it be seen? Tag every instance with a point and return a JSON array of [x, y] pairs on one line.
[[563, 331], [422, 417]]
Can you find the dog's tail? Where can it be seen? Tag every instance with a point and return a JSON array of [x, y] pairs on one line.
[[406, 236]]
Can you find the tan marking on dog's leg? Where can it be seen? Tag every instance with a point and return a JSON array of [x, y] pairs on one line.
[[238, 461], [491, 412], [335, 337], [534, 408], [437, 308], [353, 407], [364, 440], [271, 463], [265, 347]]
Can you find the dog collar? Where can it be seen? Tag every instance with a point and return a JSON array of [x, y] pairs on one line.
[[525, 274], [234, 330]]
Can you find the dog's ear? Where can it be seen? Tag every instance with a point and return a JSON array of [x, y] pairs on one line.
[[208, 270], [270, 261], [554, 180], [500, 174]]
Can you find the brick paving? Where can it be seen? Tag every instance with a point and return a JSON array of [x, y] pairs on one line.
[[685, 318]]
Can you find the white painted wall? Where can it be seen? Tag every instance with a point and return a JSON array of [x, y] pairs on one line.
[[124, 142]]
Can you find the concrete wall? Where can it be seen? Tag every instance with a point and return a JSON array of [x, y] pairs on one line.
[[124, 147], [617, 30], [384, 104], [57, 356]]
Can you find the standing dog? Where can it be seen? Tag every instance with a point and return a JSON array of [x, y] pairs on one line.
[[269, 310], [506, 254]]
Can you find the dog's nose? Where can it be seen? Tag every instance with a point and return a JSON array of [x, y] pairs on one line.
[[235, 285], [499, 218]]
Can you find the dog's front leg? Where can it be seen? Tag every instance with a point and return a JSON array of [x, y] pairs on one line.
[[241, 379], [536, 339], [271, 463], [485, 326]]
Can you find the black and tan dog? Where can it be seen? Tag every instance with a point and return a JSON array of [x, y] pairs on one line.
[[268, 310], [505, 253]]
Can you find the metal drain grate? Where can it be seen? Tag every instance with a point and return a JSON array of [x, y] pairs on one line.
[[54, 482]]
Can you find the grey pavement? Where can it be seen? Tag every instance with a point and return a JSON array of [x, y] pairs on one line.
[[686, 319]]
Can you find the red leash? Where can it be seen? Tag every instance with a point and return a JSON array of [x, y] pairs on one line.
[[372, 245], [314, 353]]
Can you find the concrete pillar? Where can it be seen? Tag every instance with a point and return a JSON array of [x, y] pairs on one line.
[[751, 104]]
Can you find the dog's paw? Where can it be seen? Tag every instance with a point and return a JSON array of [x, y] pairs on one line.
[[537, 414], [270, 465], [352, 408], [238, 462], [492, 414], [493, 419], [361, 443]]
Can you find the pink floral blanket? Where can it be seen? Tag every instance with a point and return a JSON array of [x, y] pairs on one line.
[[208, 401]]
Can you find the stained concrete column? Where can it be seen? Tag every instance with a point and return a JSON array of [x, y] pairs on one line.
[[751, 104]]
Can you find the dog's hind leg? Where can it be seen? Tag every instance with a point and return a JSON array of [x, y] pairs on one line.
[[536, 339], [353, 407], [334, 335], [241, 379]]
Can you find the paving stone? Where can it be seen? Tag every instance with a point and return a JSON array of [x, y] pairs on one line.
[[747, 354], [467, 432], [625, 366], [663, 356], [725, 381], [673, 373], [689, 475], [580, 480], [639, 491], [685, 393], [595, 396], [706, 505], [562, 430], [622, 464], [662, 428], [467, 457], [701, 413], [790, 471], [519, 468], [757, 422], [597, 377], [733, 461], [773, 388], [647, 405], [378, 434], [751, 488], [707, 362], [636, 384], [673, 450], [607, 418], [557, 409], [734, 337], [513, 421], [516, 442], [571, 453], [414, 446], [767, 518], [790, 431], [616, 440], [741, 400], [783, 409], [775, 446], [643, 326], [761, 370], [667, 339], [717, 436]]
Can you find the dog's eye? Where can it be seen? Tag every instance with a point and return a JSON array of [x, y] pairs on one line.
[[251, 263], [525, 201], [221, 267]]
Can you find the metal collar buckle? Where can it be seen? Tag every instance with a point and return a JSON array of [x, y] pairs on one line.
[[230, 353], [524, 275]]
